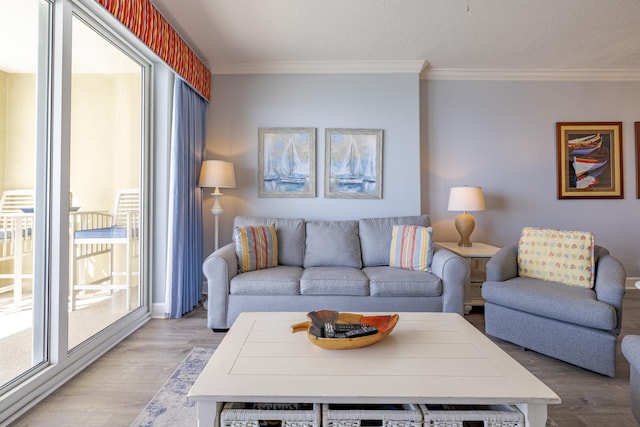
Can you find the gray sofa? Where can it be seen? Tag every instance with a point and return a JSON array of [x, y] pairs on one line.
[[631, 351], [574, 324], [334, 265]]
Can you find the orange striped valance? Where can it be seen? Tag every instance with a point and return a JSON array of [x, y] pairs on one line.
[[146, 23]]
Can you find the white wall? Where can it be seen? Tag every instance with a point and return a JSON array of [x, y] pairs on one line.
[[501, 136], [243, 103]]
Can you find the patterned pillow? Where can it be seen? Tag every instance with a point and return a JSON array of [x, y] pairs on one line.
[[411, 247], [256, 247], [558, 256]]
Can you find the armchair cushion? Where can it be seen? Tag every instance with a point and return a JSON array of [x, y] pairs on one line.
[[411, 247], [557, 256], [256, 247], [554, 300]]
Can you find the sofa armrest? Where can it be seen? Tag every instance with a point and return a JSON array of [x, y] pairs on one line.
[[453, 271], [503, 265], [610, 283], [219, 268]]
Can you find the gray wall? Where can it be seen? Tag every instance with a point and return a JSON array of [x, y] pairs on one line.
[[438, 134], [502, 136], [243, 103]]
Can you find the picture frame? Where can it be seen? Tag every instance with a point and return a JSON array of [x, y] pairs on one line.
[[589, 160], [353, 163], [637, 135], [287, 162]]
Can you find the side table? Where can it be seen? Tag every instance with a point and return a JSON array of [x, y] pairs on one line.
[[477, 257]]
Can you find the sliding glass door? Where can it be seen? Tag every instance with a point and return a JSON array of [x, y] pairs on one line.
[[105, 176], [75, 108]]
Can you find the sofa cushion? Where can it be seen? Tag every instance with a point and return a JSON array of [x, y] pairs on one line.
[[332, 244], [411, 247], [556, 255], [281, 280], [256, 247], [375, 236], [394, 282], [334, 281], [554, 300], [290, 233]]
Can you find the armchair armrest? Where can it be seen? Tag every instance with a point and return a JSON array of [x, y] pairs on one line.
[[503, 265], [610, 282], [631, 350], [453, 271], [219, 268]]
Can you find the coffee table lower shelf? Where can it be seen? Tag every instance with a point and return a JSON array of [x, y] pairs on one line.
[[237, 414]]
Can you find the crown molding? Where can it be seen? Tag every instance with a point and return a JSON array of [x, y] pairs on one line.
[[319, 67], [510, 74]]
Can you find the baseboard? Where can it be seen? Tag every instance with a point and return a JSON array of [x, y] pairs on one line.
[[630, 283], [157, 311]]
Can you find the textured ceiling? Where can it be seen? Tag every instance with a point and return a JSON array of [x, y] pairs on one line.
[[448, 34]]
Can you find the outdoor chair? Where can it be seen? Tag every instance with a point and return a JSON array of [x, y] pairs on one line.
[[96, 234], [16, 238]]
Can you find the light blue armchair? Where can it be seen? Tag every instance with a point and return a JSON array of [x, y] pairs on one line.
[[577, 325]]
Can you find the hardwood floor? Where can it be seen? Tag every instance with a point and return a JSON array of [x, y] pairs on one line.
[[113, 390]]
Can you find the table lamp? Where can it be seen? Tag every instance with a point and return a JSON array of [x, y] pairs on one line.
[[216, 174], [465, 199]]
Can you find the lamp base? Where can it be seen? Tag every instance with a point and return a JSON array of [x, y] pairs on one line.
[[465, 225]]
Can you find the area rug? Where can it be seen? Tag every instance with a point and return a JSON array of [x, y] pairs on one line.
[[169, 407]]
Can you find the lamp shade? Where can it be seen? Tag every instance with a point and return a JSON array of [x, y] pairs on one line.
[[466, 199], [217, 173]]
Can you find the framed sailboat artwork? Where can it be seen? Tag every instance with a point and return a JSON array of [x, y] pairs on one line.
[[287, 162], [589, 160], [353, 163]]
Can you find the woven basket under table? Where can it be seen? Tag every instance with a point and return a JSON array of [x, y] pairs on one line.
[[236, 414], [334, 415], [457, 415]]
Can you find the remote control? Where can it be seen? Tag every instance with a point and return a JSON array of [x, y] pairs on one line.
[[329, 330], [344, 327], [361, 332]]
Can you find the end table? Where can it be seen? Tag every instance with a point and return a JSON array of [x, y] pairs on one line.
[[477, 257]]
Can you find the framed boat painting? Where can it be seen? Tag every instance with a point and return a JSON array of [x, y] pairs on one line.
[[286, 162], [589, 160], [353, 163]]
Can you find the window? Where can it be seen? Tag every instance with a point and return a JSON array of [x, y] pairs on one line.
[[23, 100]]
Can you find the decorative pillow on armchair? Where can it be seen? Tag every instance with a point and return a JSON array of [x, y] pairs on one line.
[[256, 247], [411, 247], [556, 255]]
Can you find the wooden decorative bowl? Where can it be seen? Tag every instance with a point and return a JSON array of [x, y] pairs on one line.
[[313, 327]]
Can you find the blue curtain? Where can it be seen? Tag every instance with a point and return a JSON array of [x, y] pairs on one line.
[[184, 258]]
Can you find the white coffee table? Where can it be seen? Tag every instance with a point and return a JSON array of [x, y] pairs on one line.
[[432, 358]]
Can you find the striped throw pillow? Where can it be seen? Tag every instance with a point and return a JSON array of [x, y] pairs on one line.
[[256, 247], [411, 247]]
